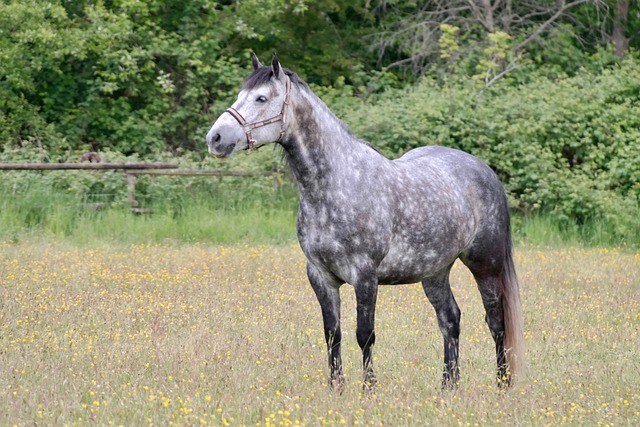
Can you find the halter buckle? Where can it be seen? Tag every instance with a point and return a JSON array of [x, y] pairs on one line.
[[250, 141]]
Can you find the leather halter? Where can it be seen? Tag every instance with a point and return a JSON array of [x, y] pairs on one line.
[[282, 117]]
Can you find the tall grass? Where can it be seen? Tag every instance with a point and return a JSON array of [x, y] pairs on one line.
[[545, 230], [234, 211], [217, 216]]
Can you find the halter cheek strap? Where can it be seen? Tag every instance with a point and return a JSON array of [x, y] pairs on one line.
[[282, 117]]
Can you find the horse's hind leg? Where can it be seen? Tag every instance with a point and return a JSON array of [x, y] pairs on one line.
[[489, 286], [488, 273], [327, 291], [438, 292]]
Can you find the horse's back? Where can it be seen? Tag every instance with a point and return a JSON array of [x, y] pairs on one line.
[[442, 170], [442, 157], [454, 166]]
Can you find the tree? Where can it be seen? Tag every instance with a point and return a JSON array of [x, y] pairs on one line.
[[136, 77], [34, 42], [147, 76], [322, 40], [413, 29], [618, 37]]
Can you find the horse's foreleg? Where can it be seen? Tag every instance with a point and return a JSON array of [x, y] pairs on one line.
[[438, 292], [328, 294], [366, 295]]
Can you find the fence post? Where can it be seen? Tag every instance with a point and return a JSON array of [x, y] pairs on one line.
[[131, 187]]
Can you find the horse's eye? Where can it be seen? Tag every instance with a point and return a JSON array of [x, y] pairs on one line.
[[262, 99]]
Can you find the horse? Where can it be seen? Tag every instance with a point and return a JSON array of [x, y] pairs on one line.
[[366, 220]]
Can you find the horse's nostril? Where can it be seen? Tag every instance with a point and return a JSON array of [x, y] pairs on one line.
[[216, 137]]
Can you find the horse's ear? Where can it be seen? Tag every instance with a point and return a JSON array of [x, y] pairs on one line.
[[255, 61], [278, 72]]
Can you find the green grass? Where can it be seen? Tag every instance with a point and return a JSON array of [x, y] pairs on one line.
[[195, 225], [121, 226], [218, 219], [236, 213], [545, 230]]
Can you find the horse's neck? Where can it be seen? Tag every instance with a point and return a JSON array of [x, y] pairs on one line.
[[320, 146]]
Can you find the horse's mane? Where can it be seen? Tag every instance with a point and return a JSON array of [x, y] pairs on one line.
[[263, 75]]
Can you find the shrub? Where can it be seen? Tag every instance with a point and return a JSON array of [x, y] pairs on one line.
[[567, 147]]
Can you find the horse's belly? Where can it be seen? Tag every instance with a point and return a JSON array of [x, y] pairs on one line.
[[406, 264]]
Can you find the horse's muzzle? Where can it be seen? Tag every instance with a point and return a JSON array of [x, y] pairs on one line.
[[221, 152], [219, 146], [220, 149]]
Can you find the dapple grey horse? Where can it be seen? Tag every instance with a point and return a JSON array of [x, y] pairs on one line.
[[367, 220]]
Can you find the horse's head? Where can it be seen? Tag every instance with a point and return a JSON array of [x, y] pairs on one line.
[[259, 115]]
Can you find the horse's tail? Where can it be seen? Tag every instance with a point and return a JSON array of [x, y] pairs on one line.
[[513, 319]]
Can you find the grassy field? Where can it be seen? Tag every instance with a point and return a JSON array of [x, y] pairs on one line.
[[191, 335]]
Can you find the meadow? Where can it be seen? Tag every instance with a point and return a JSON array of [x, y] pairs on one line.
[[197, 335]]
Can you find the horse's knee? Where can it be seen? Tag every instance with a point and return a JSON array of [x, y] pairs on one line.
[[366, 336], [333, 335], [449, 321]]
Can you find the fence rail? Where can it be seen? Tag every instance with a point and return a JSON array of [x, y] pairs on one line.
[[132, 170], [201, 172], [85, 166]]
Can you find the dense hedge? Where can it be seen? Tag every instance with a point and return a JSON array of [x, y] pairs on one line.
[[569, 147]]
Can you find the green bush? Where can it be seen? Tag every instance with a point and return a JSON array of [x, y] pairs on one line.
[[566, 147], [133, 77]]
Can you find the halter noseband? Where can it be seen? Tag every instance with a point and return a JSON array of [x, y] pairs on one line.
[[282, 117]]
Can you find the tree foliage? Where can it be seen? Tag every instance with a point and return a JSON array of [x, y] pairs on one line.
[[132, 76], [143, 76]]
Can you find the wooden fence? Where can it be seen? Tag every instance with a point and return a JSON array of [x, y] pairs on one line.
[[84, 166], [132, 170]]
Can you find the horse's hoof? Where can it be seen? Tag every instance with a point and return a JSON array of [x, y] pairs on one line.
[[504, 382], [337, 383], [449, 384], [370, 384]]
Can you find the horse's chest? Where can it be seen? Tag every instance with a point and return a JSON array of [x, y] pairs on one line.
[[338, 239]]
